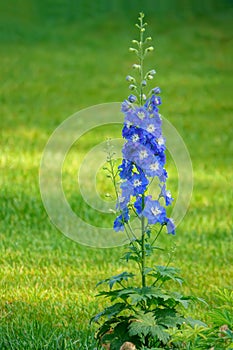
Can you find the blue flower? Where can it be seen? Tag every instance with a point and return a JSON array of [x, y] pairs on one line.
[[139, 183], [170, 226], [125, 168], [143, 158], [121, 220], [129, 150], [126, 106], [154, 212], [161, 143], [155, 100], [138, 205], [154, 167], [133, 133], [127, 191], [163, 176], [166, 195], [132, 98], [136, 116]]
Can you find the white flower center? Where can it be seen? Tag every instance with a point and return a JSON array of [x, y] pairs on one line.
[[135, 138], [143, 154], [137, 183], [155, 211], [150, 128], [160, 141], [141, 115], [128, 124], [154, 166]]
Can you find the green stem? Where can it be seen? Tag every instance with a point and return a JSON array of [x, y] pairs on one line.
[[157, 236], [143, 262], [141, 57]]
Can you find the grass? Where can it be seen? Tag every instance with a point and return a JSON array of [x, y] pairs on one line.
[[47, 282]]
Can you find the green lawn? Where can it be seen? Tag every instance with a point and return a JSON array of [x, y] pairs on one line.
[[47, 282]]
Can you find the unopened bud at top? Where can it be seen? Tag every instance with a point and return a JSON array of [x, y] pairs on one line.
[[132, 98], [149, 49], [136, 66], [143, 83], [152, 72], [130, 79], [132, 87], [149, 77], [156, 90], [131, 49]]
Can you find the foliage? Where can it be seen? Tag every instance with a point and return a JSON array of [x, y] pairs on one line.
[[217, 336]]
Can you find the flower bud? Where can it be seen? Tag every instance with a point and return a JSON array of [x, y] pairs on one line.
[[132, 98], [132, 87], [130, 79], [149, 38], [149, 49], [136, 66], [152, 72], [156, 90], [144, 97], [131, 49], [149, 77], [143, 29], [143, 83], [134, 41]]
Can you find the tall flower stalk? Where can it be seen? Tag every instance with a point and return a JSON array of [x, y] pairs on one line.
[[141, 315], [143, 152]]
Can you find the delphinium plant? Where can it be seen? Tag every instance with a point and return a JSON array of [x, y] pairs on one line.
[[141, 310]]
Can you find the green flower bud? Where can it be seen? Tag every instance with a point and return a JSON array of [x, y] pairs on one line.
[[149, 38], [130, 79], [134, 42], [149, 49], [136, 66], [131, 49], [152, 72], [149, 77], [132, 87]]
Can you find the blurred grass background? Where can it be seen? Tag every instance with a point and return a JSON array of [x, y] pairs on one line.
[[58, 57]]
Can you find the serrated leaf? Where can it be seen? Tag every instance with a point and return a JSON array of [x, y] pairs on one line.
[[166, 273], [124, 276], [109, 312], [146, 293], [131, 256], [193, 323], [146, 325]]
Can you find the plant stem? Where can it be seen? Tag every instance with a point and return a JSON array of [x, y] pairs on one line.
[[141, 57], [143, 247]]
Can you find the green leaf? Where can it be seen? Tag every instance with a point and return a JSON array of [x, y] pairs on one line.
[[124, 276], [220, 317], [193, 323], [131, 256], [109, 312], [166, 273], [146, 325]]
